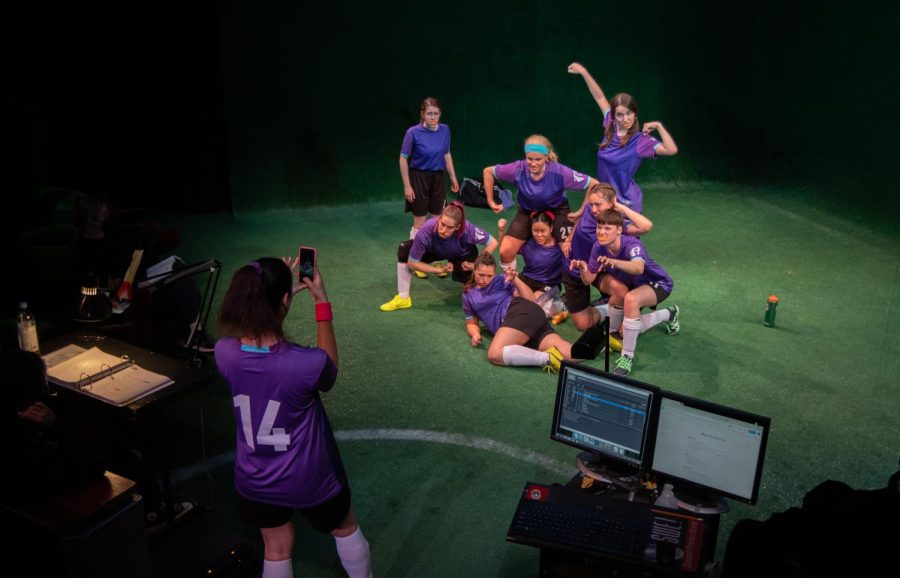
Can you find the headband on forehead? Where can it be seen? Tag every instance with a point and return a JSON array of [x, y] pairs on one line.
[[537, 148]]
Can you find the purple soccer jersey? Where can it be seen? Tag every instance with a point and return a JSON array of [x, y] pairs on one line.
[[631, 249], [489, 304], [617, 165], [428, 241], [425, 148], [286, 452], [542, 264], [583, 238], [549, 191]]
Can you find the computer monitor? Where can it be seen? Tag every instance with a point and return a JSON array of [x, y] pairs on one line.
[[609, 416], [710, 446]]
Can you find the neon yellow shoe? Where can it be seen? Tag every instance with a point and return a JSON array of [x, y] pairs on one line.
[[555, 360], [439, 264], [397, 303], [615, 344], [420, 274]]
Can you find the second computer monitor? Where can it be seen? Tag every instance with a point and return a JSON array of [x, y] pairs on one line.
[[713, 447]]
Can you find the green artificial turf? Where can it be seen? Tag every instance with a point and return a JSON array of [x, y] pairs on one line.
[[825, 373]]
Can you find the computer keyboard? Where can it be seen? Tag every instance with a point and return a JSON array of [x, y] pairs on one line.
[[580, 528]]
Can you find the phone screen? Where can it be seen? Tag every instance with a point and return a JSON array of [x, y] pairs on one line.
[[307, 263]]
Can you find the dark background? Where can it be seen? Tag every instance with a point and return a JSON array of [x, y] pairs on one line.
[[221, 106]]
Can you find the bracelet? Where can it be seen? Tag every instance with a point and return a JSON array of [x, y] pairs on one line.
[[323, 311]]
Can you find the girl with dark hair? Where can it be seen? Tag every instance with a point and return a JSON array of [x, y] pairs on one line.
[[541, 253], [287, 458], [424, 159], [449, 237], [625, 145], [542, 183], [522, 335]]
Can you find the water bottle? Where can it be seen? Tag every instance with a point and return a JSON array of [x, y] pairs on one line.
[[771, 305], [667, 498], [25, 323]]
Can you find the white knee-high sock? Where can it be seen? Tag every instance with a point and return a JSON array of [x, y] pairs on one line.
[[404, 278], [521, 355], [616, 314], [654, 318], [278, 569], [412, 232], [631, 328], [353, 550]]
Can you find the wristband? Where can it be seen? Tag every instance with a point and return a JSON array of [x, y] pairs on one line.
[[323, 311]]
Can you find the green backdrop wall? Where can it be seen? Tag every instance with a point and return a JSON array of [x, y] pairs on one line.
[[318, 97]]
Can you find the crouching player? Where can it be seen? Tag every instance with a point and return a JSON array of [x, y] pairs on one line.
[[632, 279]]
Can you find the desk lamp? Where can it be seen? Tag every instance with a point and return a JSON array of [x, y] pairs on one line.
[[212, 267], [94, 305]]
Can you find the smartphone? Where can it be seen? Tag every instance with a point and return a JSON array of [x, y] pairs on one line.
[[307, 263]]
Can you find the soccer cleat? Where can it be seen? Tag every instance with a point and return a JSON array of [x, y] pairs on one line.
[[623, 366], [440, 264], [555, 361], [420, 274], [397, 303], [615, 343], [672, 325]]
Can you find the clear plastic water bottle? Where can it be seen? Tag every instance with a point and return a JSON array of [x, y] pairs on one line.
[[667, 498], [27, 326]]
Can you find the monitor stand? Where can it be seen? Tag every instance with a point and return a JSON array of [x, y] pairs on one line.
[[604, 470], [700, 501]]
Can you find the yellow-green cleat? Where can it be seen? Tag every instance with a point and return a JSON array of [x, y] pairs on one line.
[[397, 303], [555, 362], [615, 344]]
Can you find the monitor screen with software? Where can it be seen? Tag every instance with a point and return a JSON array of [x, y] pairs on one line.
[[717, 448], [604, 414]]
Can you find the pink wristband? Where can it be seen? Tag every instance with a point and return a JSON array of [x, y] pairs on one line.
[[323, 311]]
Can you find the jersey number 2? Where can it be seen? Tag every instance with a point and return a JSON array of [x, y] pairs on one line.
[[267, 435]]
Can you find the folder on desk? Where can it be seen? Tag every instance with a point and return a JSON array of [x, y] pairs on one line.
[[568, 518], [114, 379]]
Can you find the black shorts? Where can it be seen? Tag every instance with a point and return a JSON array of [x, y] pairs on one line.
[[431, 192], [325, 517], [529, 318], [538, 285], [577, 295], [520, 227], [661, 294], [457, 275]]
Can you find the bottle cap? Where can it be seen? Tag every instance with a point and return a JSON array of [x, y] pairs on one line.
[[773, 298]]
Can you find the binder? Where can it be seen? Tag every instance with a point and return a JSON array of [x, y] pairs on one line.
[[117, 380]]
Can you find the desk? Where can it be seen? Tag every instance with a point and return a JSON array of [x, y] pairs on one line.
[[146, 410], [186, 377], [632, 538], [95, 531]]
